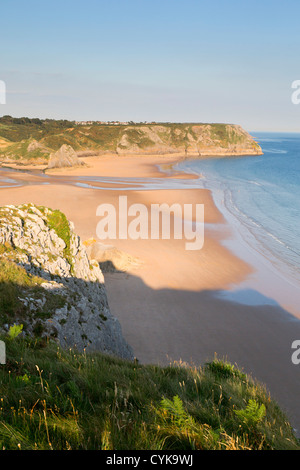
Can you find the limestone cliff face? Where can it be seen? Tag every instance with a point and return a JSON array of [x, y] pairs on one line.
[[61, 293], [62, 149], [190, 140]]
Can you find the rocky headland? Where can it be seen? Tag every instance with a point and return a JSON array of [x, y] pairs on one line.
[[55, 144]]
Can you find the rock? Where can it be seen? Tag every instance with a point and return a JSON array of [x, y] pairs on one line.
[[109, 257], [64, 157], [69, 301], [35, 145], [187, 139]]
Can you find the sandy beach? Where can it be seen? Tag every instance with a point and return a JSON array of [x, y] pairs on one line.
[[168, 304]]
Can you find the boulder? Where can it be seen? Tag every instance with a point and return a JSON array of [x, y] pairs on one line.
[[65, 157]]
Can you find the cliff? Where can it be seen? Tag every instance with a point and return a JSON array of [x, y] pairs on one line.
[[48, 283], [37, 143], [190, 140]]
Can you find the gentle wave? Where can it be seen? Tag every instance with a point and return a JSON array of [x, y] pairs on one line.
[[266, 241], [263, 195], [275, 151]]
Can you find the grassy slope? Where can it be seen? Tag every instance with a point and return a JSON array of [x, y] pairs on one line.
[[63, 400], [51, 135]]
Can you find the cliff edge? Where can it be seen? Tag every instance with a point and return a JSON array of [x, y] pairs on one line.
[[60, 145], [48, 283], [191, 140]]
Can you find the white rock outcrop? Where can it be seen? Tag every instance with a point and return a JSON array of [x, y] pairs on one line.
[[64, 157], [80, 317]]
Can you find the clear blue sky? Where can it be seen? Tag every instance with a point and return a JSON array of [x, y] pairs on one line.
[[169, 60]]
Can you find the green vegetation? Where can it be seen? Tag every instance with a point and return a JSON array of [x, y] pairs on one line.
[[14, 331], [55, 399], [17, 129], [57, 221], [137, 137], [20, 151], [17, 285], [14, 281], [24, 139]]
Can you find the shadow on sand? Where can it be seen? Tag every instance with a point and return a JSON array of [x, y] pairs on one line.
[[165, 325], [168, 324]]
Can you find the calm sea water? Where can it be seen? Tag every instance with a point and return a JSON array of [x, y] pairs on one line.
[[263, 195]]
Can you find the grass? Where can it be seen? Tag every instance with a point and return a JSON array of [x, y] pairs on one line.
[[18, 129], [14, 280], [51, 135], [138, 137], [57, 221], [55, 399], [19, 151], [16, 284]]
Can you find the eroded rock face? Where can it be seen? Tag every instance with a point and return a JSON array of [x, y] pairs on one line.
[[69, 302], [190, 140], [64, 157], [109, 257]]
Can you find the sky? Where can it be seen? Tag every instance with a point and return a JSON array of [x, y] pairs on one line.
[[148, 60]]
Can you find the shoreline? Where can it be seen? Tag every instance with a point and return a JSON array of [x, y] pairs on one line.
[[272, 283], [177, 156], [169, 305]]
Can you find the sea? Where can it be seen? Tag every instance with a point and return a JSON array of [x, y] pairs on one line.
[[260, 197]]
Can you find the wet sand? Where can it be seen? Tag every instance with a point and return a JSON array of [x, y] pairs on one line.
[[168, 306]]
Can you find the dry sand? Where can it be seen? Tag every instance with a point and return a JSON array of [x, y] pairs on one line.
[[167, 305]]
